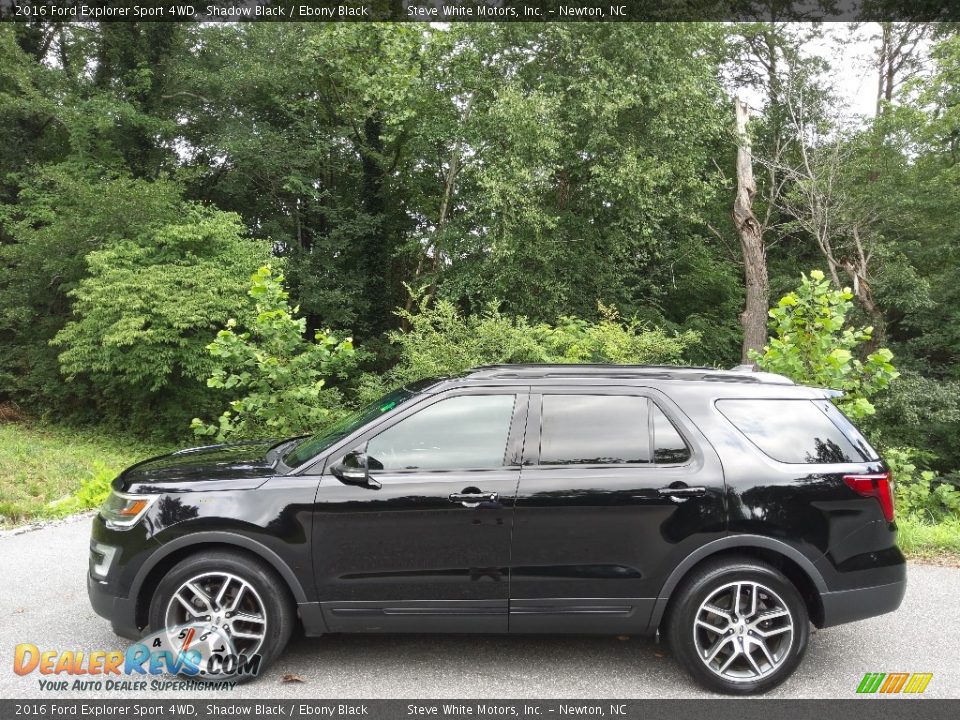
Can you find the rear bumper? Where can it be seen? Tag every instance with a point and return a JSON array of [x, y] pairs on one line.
[[845, 606], [118, 610]]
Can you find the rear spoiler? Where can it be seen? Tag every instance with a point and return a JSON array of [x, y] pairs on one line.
[[772, 377]]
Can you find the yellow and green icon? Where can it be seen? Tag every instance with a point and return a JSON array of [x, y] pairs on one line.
[[893, 683]]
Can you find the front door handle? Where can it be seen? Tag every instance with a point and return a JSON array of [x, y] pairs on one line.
[[471, 499], [682, 492]]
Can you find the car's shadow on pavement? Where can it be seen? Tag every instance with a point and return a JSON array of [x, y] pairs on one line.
[[479, 666]]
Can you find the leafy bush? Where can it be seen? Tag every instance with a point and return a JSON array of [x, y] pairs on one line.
[[923, 413], [813, 345], [612, 340], [63, 214], [277, 376], [442, 341], [142, 317], [920, 494]]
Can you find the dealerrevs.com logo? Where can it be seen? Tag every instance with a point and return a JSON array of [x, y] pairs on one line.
[[202, 656], [894, 683]]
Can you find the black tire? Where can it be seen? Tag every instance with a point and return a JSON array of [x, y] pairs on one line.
[[717, 580], [271, 592]]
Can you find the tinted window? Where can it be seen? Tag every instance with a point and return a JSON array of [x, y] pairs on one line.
[[848, 430], [594, 429], [668, 444], [457, 433], [792, 431]]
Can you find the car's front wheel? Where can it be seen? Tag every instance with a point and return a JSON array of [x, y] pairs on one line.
[[238, 596], [739, 626]]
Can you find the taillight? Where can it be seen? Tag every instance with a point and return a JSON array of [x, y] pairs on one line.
[[879, 486]]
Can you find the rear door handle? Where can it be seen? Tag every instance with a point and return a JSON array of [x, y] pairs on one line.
[[683, 492], [473, 499]]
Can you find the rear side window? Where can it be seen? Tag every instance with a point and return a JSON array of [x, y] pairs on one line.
[[607, 430], [668, 445], [798, 431], [594, 430]]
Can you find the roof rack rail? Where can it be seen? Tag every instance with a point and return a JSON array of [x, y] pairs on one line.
[[742, 373]]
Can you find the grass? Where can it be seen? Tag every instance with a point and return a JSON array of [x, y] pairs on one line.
[[926, 541], [41, 465]]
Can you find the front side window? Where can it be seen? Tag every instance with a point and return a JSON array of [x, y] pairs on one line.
[[310, 447], [462, 433], [594, 430], [795, 431]]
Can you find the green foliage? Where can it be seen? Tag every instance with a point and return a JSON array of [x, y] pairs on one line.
[[578, 180], [922, 413], [920, 495], [611, 339], [275, 375], [63, 213], [93, 490], [443, 341], [517, 172], [144, 314], [813, 345]]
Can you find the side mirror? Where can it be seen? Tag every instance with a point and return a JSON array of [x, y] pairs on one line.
[[353, 470]]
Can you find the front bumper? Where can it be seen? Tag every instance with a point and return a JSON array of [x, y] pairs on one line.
[[115, 558], [845, 606], [120, 611]]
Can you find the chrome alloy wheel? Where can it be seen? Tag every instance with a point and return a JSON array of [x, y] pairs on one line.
[[223, 601], [743, 632]]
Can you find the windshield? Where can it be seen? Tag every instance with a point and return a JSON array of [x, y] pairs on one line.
[[316, 444]]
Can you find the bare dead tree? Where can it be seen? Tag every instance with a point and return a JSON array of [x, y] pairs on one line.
[[754, 316], [767, 58]]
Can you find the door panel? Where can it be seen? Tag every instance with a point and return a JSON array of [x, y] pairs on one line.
[[408, 556], [593, 543]]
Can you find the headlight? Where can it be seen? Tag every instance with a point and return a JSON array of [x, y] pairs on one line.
[[122, 511]]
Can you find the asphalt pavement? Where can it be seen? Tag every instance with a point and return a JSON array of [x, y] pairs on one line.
[[43, 601]]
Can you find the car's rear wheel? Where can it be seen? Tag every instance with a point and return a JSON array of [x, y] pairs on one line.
[[739, 626], [237, 594]]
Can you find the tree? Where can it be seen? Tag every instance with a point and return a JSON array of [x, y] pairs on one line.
[[753, 318], [143, 316], [594, 158], [899, 56], [767, 58], [62, 214], [823, 201], [906, 174]]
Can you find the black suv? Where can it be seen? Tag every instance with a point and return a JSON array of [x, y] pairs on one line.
[[725, 509]]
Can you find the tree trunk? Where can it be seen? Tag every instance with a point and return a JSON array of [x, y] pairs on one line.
[[857, 270], [883, 62], [446, 199], [754, 316]]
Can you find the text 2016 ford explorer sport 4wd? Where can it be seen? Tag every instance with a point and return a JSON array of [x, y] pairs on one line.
[[727, 509]]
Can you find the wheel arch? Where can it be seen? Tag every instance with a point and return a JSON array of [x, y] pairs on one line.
[[798, 568], [172, 552]]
